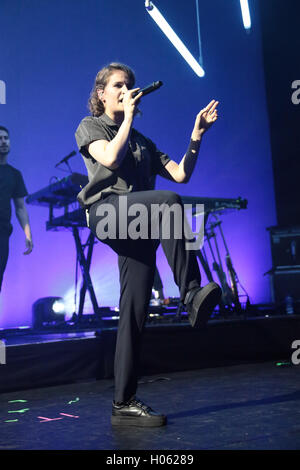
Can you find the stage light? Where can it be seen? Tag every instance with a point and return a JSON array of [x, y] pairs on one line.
[[245, 14], [58, 306], [172, 36], [48, 311]]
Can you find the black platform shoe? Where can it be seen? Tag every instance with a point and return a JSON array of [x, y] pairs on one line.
[[135, 413], [200, 303]]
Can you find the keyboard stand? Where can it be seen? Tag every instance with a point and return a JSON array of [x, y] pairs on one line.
[[85, 264]]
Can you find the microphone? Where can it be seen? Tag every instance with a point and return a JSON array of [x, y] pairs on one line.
[[65, 159], [148, 89]]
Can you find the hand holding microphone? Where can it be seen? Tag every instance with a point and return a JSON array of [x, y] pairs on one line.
[[148, 89], [132, 97]]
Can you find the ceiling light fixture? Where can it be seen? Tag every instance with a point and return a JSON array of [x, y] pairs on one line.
[[172, 36]]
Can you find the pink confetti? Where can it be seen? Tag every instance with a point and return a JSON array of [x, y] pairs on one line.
[[44, 420]]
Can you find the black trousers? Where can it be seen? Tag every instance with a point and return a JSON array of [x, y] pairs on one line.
[[157, 282], [137, 263], [4, 249]]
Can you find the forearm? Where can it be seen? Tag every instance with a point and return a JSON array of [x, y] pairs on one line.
[[188, 162], [116, 149], [23, 218], [203, 122], [111, 154]]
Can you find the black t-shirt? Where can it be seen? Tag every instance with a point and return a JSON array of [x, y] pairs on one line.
[[141, 163], [11, 186]]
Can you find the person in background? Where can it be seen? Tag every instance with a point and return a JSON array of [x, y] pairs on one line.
[[12, 187]]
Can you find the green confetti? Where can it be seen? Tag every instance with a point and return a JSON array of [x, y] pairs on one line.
[[73, 401], [20, 411], [17, 401], [11, 420]]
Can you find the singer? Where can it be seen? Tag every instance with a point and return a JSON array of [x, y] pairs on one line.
[[122, 161]]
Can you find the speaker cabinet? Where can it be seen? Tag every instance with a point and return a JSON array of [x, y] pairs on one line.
[[285, 247], [285, 282]]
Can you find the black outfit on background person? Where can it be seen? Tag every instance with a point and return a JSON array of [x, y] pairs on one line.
[[11, 186], [136, 258]]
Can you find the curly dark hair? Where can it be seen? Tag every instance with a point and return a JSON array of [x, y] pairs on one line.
[[94, 104]]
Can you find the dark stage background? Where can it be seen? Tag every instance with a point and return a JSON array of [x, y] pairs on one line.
[[281, 45], [51, 51]]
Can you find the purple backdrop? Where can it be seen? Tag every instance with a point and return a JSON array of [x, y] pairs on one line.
[[50, 53]]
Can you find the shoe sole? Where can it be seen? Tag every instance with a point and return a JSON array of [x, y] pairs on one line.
[[204, 303], [140, 421]]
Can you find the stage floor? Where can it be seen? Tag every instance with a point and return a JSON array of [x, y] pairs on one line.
[[43, 359], [248, 406]]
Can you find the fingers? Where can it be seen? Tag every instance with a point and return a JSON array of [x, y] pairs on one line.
[[133, 90], [134, 93], [207, 108], [207, 116], [210, 111], [137, 97], [212, 117], [132, 96], [130, 101], [211, 106], [213, 114], [29, 246]]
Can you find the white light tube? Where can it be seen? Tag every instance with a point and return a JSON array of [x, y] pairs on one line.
[[245, 14], [172, 36]]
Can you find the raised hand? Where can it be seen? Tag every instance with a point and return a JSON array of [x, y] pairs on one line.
[[206, 117]]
